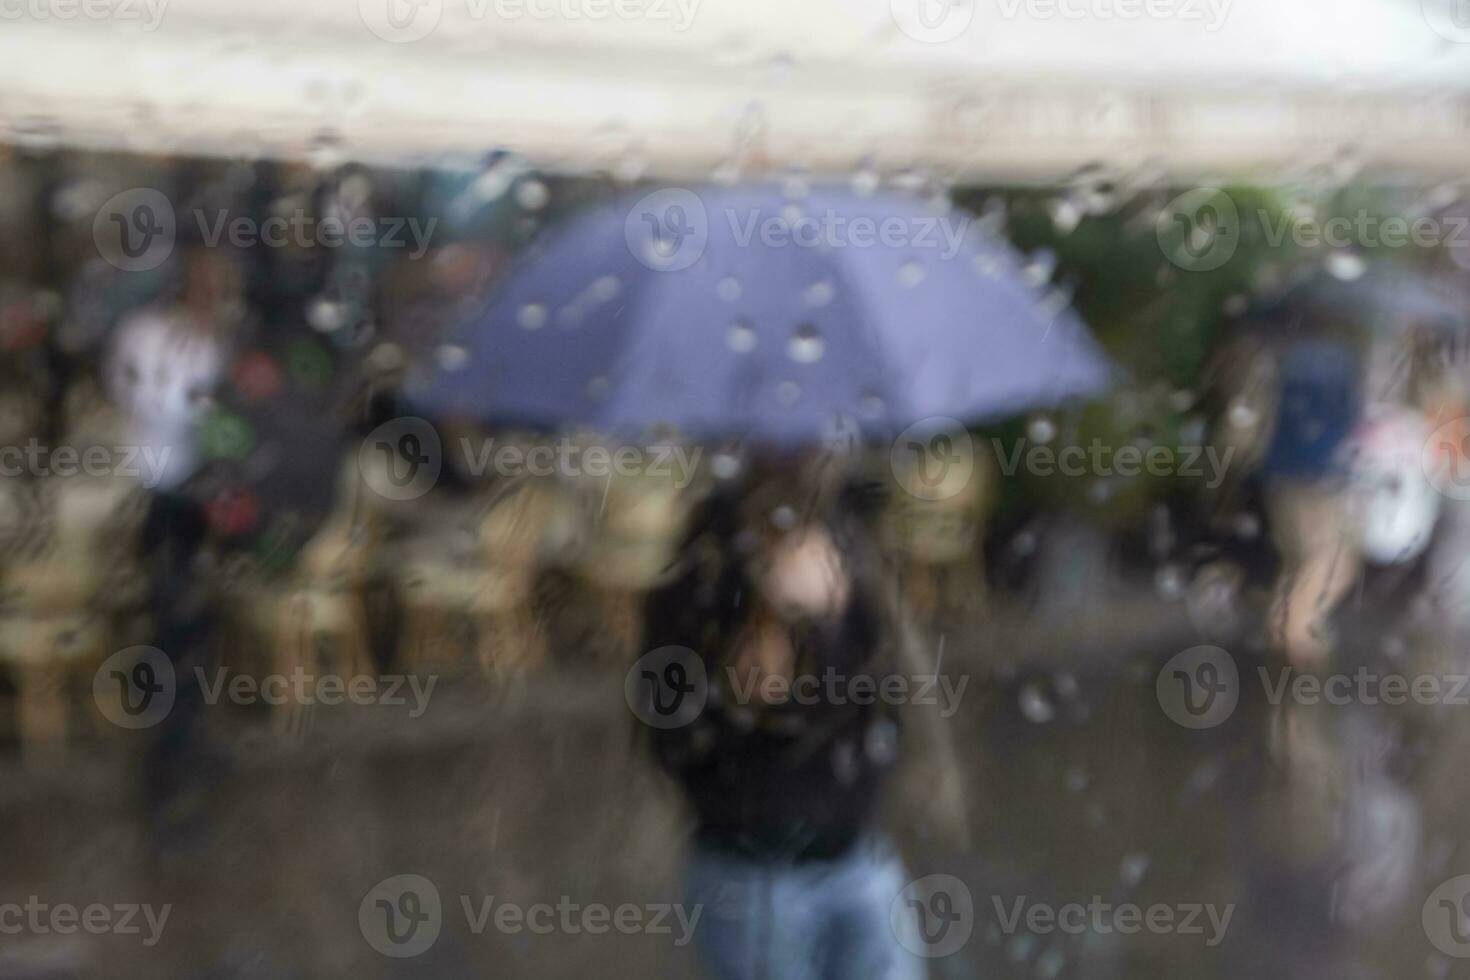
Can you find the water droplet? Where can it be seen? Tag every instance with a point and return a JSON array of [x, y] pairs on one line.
[[740, 338], [796, 185], [728, 289], [725, 466], [1246, 526], [452, 357], [1170, 581], [910, 274], [1039, 269], [865, 179], [818, 294], [1049, 964], [1035, 706], [1041, 430], [1241, 415], [1345, 265], [605, 289], [532, 195], [386, 357], [1133, 868], [326, 314], [531, 316], [806, 345]]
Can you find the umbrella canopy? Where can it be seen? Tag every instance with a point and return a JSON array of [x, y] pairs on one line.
[[767, 313]]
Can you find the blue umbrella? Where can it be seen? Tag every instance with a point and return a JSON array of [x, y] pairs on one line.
[[744, 312]]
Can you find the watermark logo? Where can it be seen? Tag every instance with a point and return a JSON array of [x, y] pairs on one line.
[[932, 21], [300, 687], [667, 687], [1446, 917], [401, 916], [1445, 459], [1199, 230], [1450, 19], [400, 21], [933, 916], [1126, 461], [149, 12], [39, 918], [135, 230], [933, 459], [401, 459], [145, 464], [135, 688], [667, 230], [1101, 918], [1211, 13], [1199, 687]]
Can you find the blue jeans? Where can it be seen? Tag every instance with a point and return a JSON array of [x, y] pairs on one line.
[[813, 920]]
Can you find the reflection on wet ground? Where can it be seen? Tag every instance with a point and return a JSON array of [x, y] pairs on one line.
[[1099, 837]]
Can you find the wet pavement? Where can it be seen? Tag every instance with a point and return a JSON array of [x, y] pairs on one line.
[[1097, 837]]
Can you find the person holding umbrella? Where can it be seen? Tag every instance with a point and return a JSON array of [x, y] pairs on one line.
[[768, 318]]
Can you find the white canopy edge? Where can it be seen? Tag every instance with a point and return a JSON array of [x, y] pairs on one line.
[[823, 85]]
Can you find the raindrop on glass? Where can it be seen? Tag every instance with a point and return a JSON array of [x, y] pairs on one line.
[[606, 288], [728, 289], [326, 314], [740, 338], [451, 357], [1036, 706], [1041, 430], [1039, 270], [818, 294], [1133, 868], [805, 346], [532, 195], [910, 274], [865, 179], [531, 316], [1345, 265]]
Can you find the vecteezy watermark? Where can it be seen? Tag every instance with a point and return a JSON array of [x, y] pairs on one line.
[[1128, 460], [1200, 687], [403, 916], [670, 687], [402, 459], [933, 916], [1201, 229], [1099, 917], [146, 464], [304, 688], [1446, 917], [1450, 19], [938, 21], [405, 21], [35, 917], [753, 685], [136, 688], [669, 229], [935, 458], [1209, 13], [149, 13], [136, 230]]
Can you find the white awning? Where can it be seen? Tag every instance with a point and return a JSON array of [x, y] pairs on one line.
[[974, 89]]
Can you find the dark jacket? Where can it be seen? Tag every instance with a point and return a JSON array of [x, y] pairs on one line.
[[790, 781]]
